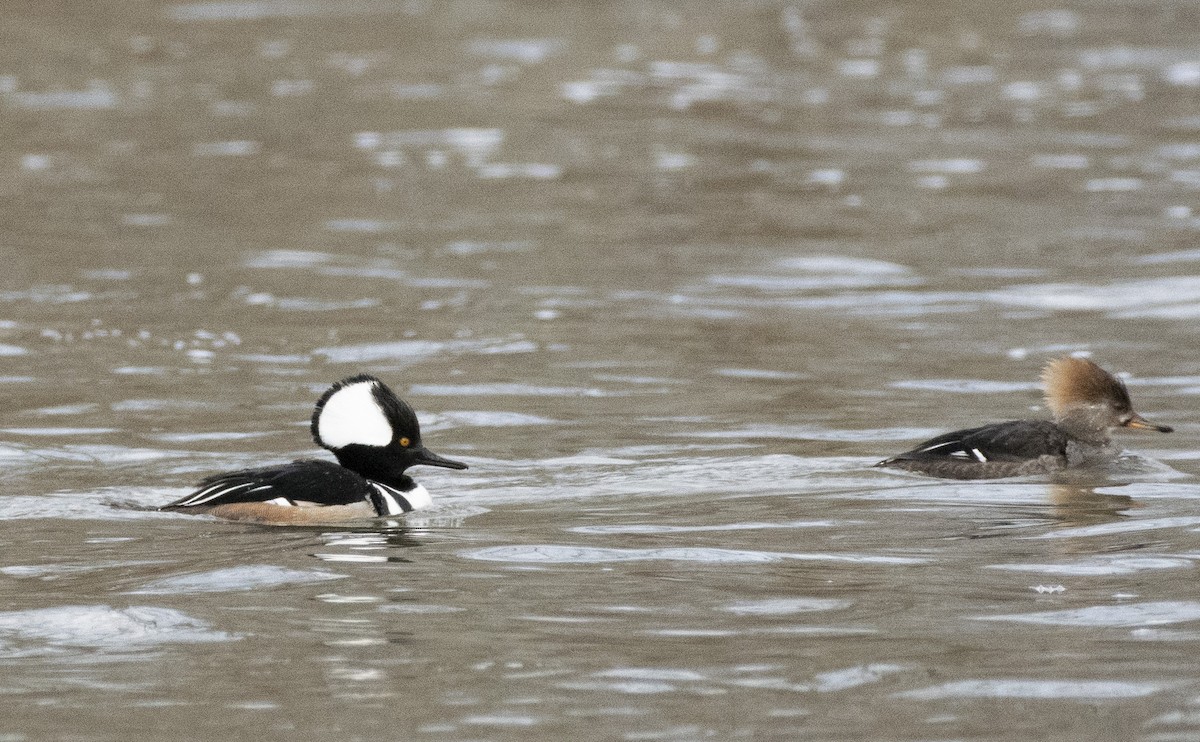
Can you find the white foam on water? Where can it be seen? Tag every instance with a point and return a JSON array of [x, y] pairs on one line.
[[1102, 565], [103, 627], [1032, 689], [1129, 615], [414, 351], [233, 579], [571, 554], [785, 606]]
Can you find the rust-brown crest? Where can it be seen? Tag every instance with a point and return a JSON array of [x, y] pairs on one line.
[[1072, 382]]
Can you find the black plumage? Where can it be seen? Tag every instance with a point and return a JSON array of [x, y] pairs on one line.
[[305, 480], [990, 451], [376, 438]]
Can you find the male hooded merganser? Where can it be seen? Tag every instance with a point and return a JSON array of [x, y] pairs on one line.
[[1086, 402], [375, 437]]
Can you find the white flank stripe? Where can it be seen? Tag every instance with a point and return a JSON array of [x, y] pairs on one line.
[[194, 498], [979, 455], [280, 501], [213, 493], [393, 505], [416, 498], [937, 446]]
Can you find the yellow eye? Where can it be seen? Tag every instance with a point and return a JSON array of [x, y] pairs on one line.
[[404, 442]]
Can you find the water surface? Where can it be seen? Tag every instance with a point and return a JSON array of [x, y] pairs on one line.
[[670, 279]]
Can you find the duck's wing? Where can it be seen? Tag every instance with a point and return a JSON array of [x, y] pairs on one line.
[[1016, 441], [305, 482]]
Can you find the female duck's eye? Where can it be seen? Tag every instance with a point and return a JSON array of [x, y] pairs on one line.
[[404, 442]]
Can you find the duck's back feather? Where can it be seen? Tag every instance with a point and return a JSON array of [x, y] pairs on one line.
[[998, 450], [306, 482]]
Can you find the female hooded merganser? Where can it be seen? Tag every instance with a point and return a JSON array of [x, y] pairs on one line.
[[1086, 402], [375, 437]]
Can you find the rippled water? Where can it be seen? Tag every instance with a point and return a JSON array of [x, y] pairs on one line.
[[670, 278]]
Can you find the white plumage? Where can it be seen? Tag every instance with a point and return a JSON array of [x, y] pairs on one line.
[[352, 415]]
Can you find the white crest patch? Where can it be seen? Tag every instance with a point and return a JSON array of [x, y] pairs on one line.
[[352, 415]]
